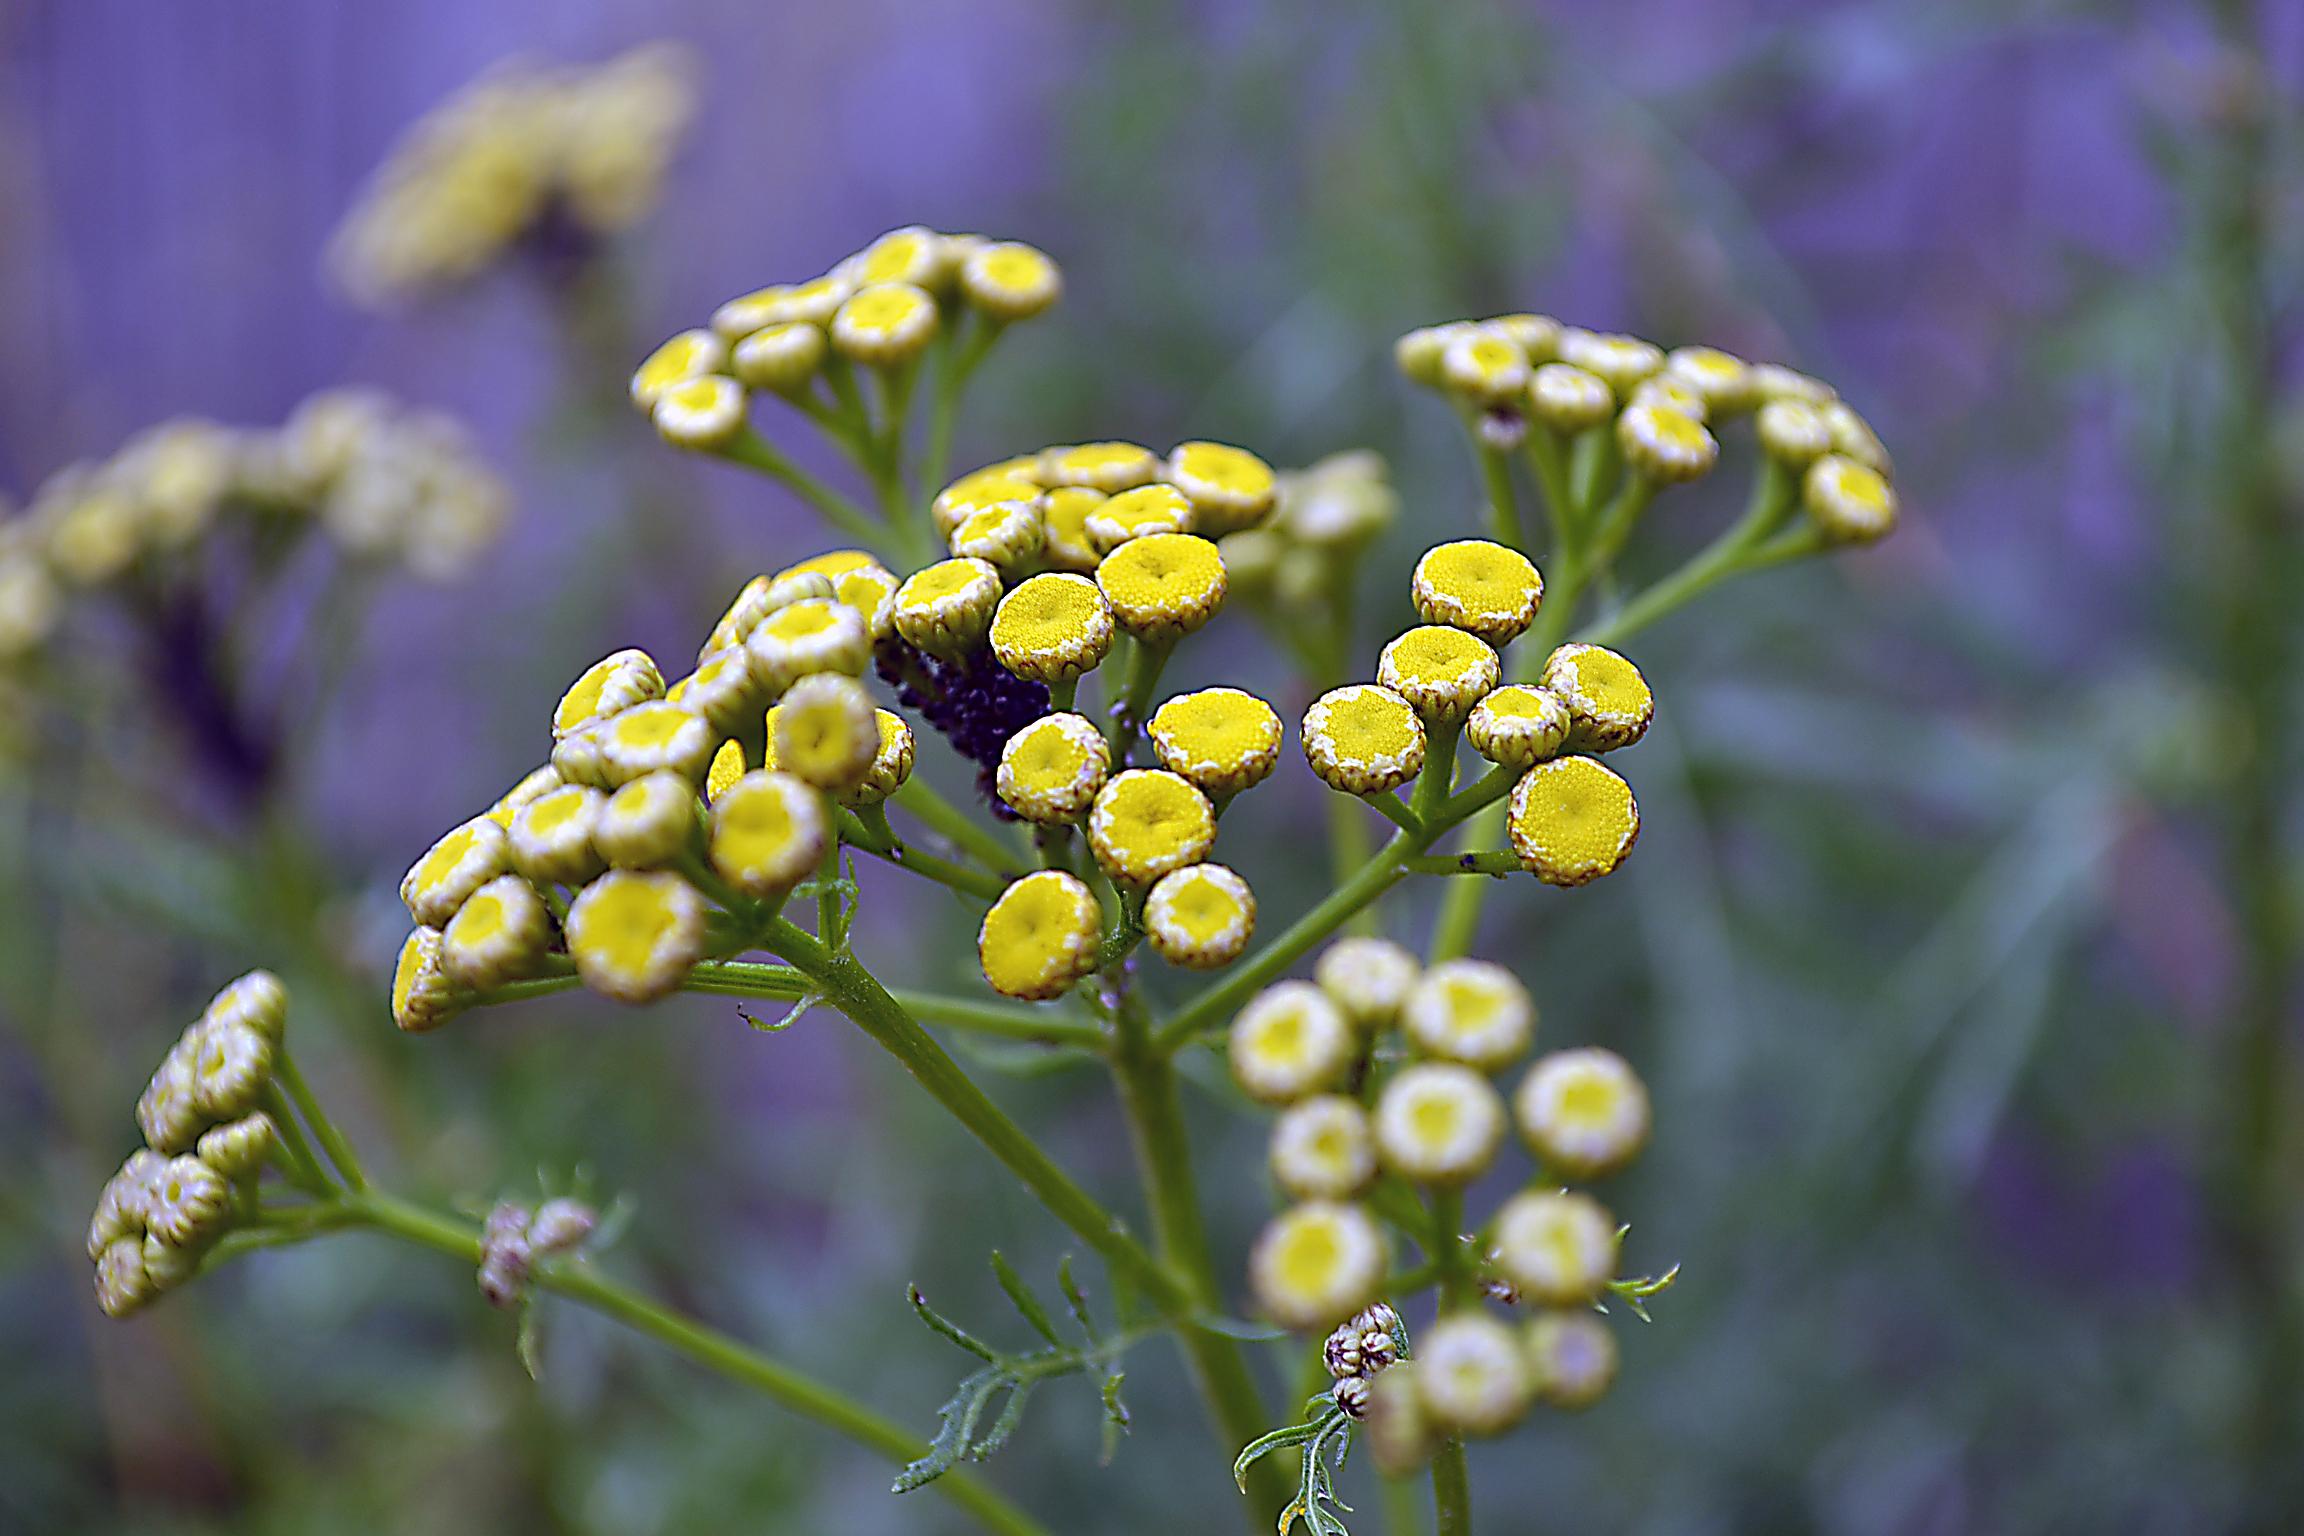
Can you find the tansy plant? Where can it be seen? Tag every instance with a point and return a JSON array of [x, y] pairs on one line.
[[693, 831]]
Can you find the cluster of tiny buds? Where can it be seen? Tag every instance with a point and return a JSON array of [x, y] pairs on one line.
[[879, 308], [515, 1238], [1361, 1348], [381, 482], [207, 1137], [1514, 374], [551, 159], [1572, 818]]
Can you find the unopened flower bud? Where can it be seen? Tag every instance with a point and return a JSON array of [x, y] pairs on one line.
[[946, 609], [1572, 820], [635, 935], [769, 832], [1230, 488], [702, 413], [561, 1226], [452, 869], [1290, 1042], [1147, 822], [239, 1147], [1010, 281], [1368, 978], [1443, 672], [780, 358], [1052, 770], [1317, 1263], [1609, 702], [885, 325], [1584, 1112], [1322, 1148], [1200, 917], [1040, 936], [1490, 590], [1471, 1374], [1470, 1011], [1438, 1123], [825, 732], [1559, 1247], [1517, 726], [423, 998]]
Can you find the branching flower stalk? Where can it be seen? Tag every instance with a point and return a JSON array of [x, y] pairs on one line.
[[694, 832]]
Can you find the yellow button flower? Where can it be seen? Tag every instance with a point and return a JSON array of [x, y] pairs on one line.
[[1773, 381], [1106, 467], [1363, 739], [885, 324], [1484, 365], [768, 833], [1572, 820], [1200, 916], [1472, 1012], [1316, 1264], [1722, 379], [1538, 336], [1609, 704], [1793, 431], [646, 824], [1850, 502], [1146, 822], [1557, 1246], [727, 767], [423, 998], [1666, 445], [1052, 770], [1438, 1123], [1518, 726], [1052, 628], [1486, 589], [831, 565], [1369, 978], [825, 732], [816, 635], [658, 735], [1040, 937], [725, 689], [947, 608], [1009, 280], [1584, 1112], [1291, 1042], [1006, 534], [1471, 1376], [1568, 399], [533, 785], [1230, 487], [819, 299], [1163, 585], [609, 686], [1443, 672], [750, 312], [780, 358], [1222, 739], [550, 841], [452, 869], [703, 412], [1673, 393], [1009, 480], [891, 763], [912, 254], [871, 591], [1064, 514], [1322, 1149], [1571, 1359], [634, 935], [1615, 360], [496, 936], [1132, 514], [689, 355], [1853, 437]]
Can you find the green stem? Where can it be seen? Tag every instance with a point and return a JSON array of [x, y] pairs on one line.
[[1439, 772], [1451, 1491], [964, 350], [1503, 504], [1011, 1021], [947, 821], [1547, 464], [331, 1140], [1499, 861], [869, 831], [754, 452], [1348, 848], [296, 1157]]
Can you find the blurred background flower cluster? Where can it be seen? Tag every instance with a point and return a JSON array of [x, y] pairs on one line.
[[1960, 964]]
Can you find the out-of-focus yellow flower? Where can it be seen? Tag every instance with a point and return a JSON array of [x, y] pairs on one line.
[[1291, 1042], [1317, 1264], [1584, 1112], [1438, 1123], [635, 934], [1558, 1247]]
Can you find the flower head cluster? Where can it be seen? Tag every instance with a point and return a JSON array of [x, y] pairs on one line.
[[382, 482], [555, 157], [1383, 1070], [207, 1136]]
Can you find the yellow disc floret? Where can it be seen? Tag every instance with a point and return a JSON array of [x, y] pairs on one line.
[[825, 732], [498, 935], [1584, 1112], [946, 609], [1041, 936], [1490, 590], [1572, 820], [768, 832], [885, 324], [1363, 739], [1322, 1148], [1230, 487], [1200, 916], [1163, 585], [702, 412], [1470, 1011], [1010, 280], [1106, 467], [1609, 704], [1518, 726], [1558, 1247], [1317, 1264], [1052, 770], [634, 935], [1851, 502], [1052, 628], [452, 869], [1440, 670], [1438, 1123], [1291, 1042], [609, 686], [1064, 514], [1147, 822], [1222, 739], [688, 355], [1132, 514]]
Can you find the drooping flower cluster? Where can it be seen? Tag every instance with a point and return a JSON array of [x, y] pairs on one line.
[[383, 482], [1383, 1070], [556, 156], [206, 1138]]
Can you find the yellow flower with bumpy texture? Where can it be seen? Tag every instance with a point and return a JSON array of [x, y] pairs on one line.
[[239, 1147], [724, 689], [1041, 936], [689, 355], [1616, 360], [1584, 1112], [1850, 502], [1853, 437], [1665, 444], [634, 934], [1484, 365], [1163, 585], [1052, 628], [452, 869], [1471, 1375], [1322, 1148], [1438, 1123], [885, 325], [255, 1001], [533, 785], [1568, 399], [497, 936], [1518, 726], [872, 593], [1443, 672], [1290, 1042], [1008, 534], [1222, 739], [648, 823], [1572, 820], [1792, 431], [1369, 978], [1316, 1264], [1472, 1012], [1571, 1358], [609, 686], [1557, 1246], [1489, 590], [1363, 739], [946, 609], [230, 1064], [1010, 281], [1009, 480], [1133, 514], [1147, 822], [780, 358], [1200, 916], [1773, 381], [891, 763], [658, 736], [703, 412], [1106, 467], [1052, 770], [768, 832], [826, 731], [1609, 702], [187, 1201], [1064, 514], [1230, 487], [550, 841], [912, 254], [808, 637], [1536, 335], [1723, 380], [423, 997]]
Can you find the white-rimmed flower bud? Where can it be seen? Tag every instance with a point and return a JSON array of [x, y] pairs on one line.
[[1773, 381], [689, 355], [1052, 628], [1471, 1374], [1291, 1042], [1792, 431], [1673, 394], [701, 413], [825, 732], [452, 869], [885, 325], [237, 1148], [497, 936], [1438, 1123], [121, 1204], [1041, 936], [647, 824], [1557, 1246], [725, 689], [1323, 1149], [1147, 822], [1850, 502], [550, 841], [1721, 378], [634, 935], [1138, 513], [1107, 467], [1222, 739], [1052, 770], [122, 1286], [1571, 1359], [187, 1202], [231, 1063], [1665, 445], [816, 635], [1363, 739], [1484, 365], [1617, 361], [912, 254], [1538, 336], [1010, 281], [1853, 437], [780, 358], [891, 764], [1064, 540], [1584, 1112], [1572, 820], [946, 609], [1009, 480], [657, 737], [1487, 589], [1609, 702], [1518, 726], [1200, 917], [1418, 353], [166, 1112], [1006, 535], [1442, 671], [1163, 585], [609, 686], [255, 1001], [1316, 1264], [1369, 978], [1472, 1012], [1230, 488], [768, 832], [1568, 399]]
